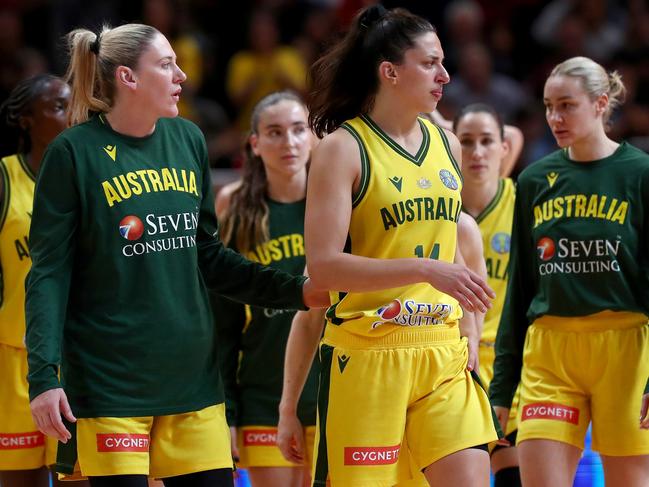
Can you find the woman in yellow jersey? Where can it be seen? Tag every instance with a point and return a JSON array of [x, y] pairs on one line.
[[574, 326], [263, 219], [490, 200], [383, 202], [33, 114]]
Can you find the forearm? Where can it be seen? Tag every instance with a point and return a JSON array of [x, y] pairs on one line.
[[301, 348], [353, 273]]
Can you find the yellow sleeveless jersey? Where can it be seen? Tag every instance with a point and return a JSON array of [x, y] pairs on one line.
[[495, 224], [15, 218], [407, 206]]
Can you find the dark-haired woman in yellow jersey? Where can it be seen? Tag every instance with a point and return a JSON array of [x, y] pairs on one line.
[[490, 200], [383, 202], [32, 115]]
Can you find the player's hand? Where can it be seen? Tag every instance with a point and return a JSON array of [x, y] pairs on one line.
[[473, 343], [315, 298], [290, 438], [47, 408], [503, 415], [460, 282], [644, 412], [234, 445]]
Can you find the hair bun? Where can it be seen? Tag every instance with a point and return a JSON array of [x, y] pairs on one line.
[[372, 15]]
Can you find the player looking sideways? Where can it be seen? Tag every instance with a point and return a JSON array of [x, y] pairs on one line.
[[124, 245], [490, 200], [262, 217], [575, 316], [383, 196]]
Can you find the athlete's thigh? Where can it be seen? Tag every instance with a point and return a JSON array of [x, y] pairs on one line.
[[465, 468], [38, 477], [546, 463], [276, 476], [630, 471], [362, 402]]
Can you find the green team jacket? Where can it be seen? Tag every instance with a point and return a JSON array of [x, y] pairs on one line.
[[252, 340], [580, 245], [124, 244]]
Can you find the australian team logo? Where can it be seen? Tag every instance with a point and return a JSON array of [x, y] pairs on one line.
[[448, 179], [424, 183], [412, 313], [501, 242], [131, 227], [546, 248]]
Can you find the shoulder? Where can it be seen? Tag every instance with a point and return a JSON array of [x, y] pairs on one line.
[[181, 124], [224, 197]]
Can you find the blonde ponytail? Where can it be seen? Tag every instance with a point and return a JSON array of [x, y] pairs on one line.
[[93, 61]]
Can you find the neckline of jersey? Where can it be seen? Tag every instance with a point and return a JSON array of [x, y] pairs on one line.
[[493, 203], [418, 158], [596, 162], [103, 121], [26, 167]]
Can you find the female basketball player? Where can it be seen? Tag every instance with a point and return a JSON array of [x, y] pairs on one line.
[[383, 197], [579, 280], [33, 114], [263, 218], [490, 200], [124, 242]]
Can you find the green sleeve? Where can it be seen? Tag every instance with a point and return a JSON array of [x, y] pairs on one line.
[[52, 244], [232, 275], [229, 317], [513, 322]]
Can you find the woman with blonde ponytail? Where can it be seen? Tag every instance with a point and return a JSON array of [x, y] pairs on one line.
[[263, 218], [124, 242], [574, 325]]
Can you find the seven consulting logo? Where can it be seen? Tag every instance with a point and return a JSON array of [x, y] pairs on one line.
[[131, 227], [546, 248], [412, 313]]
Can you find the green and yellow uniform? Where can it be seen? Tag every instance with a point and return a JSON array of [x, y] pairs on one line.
[[393, 359], [124, 245], [22, 446], [575, 316], [252, 345]]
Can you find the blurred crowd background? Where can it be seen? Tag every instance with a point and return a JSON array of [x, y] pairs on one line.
[[236, 51]]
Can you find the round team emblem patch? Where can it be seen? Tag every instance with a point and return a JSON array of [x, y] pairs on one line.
[[501, 242], [448, 179], [390, 311]]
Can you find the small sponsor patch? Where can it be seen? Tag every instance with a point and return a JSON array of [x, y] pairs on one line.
[[371, 455], [21, 441], [265, 437], [122, 442], [548, 410]]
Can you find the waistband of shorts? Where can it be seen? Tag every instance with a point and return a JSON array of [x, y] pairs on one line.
[[402, 337], [602, 321]]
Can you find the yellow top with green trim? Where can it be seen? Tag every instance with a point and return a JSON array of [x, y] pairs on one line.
[[495, 224], [407, 206], [15, 218]]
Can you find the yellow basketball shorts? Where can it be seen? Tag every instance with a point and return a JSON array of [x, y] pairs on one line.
[[578, 370], [371, 399], [487, 355], [157, 446], [22, 446], [258, 447]]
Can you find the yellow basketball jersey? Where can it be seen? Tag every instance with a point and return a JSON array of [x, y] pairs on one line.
[[495, 224], [15, 218], [407, 206]]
